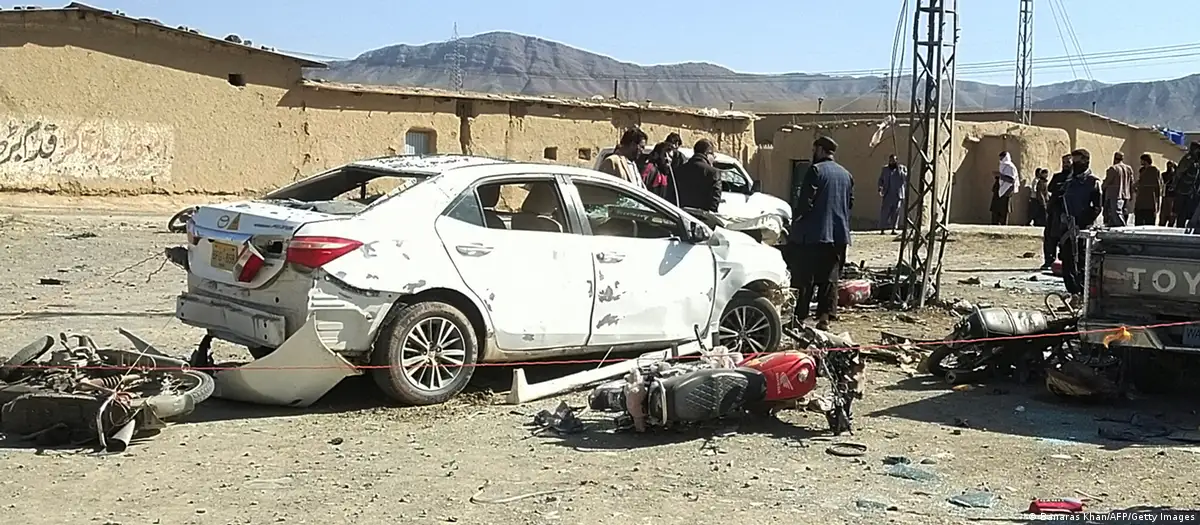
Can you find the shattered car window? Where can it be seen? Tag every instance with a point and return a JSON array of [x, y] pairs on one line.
[[732, 179], [345, 191], [615, 213]]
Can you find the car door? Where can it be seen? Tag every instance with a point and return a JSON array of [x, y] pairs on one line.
[[510, 241], [651, 285]]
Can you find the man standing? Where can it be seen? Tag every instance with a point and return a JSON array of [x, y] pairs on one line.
[[1167, 215], [893, 180], [674, 141], [1006, 183], [699, 182], [622, 163], [1187, 175], [1147, 193], [1053, 232], [1118, 191], [820, 233], [1039, 198], [1082, 204]]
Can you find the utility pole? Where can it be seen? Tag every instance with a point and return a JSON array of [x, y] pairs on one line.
[[931, 127], [1022, 98], [456, 57]]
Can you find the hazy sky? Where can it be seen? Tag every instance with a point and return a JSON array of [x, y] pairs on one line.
[[758, 36]]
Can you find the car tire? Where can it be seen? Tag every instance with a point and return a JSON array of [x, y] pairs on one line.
[[764, 308], [390, 348]]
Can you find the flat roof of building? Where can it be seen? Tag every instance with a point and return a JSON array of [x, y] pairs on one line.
[[76, 7], [598, 102]]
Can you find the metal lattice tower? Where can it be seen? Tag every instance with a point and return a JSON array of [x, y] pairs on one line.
[[1022, 99], [456, 58], [931, 126]]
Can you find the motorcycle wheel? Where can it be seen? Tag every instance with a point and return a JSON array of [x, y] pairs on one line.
[[939, 355], [12, 368], [168, 406], [178, 222]]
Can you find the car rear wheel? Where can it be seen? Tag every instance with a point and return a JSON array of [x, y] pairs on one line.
[[750, 325], [426, 354]]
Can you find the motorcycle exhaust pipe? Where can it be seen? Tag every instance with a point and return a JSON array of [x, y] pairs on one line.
[[120, 440]]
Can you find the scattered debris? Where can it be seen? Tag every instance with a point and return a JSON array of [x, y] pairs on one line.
[[847, 449], [867, 504], [905, 471], [562, 420], [975, 499], [50, 281], [80, 235], [970, 281], [1055, 506], [478, 496]]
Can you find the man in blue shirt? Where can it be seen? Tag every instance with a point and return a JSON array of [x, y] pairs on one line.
[[820, 233]]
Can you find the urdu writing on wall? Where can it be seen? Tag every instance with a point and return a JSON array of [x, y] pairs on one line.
[[35, 150]]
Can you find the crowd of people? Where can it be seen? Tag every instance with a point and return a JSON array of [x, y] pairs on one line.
[[1065, 203], [1074, 198], [815, 250], [685, 182]]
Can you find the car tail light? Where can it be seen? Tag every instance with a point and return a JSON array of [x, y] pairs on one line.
[[248, 264], [192, 237], [315, 252]]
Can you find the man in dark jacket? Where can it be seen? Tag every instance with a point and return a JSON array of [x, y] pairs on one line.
[[1053, 232], [1082, 203], [675, 142], [1187, 186], [820, 233], [699, 182]]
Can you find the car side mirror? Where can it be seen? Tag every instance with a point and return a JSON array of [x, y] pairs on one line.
[[756, 186], [697, 232]]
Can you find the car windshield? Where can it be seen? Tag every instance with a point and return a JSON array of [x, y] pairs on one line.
[[345, 191], [732, 178]]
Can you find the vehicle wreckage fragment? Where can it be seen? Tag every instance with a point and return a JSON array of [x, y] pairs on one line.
[[523, 392], [297, 374], [84, 393]]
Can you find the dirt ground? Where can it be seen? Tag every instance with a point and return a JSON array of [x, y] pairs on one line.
[[354, 459]]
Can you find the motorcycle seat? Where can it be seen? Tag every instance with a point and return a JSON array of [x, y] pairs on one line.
[[704, 395], [1001, 321]]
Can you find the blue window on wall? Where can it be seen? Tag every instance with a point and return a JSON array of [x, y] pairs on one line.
[[418, 143]]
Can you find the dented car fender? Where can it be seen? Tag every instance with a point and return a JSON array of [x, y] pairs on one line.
[[393, 264], [742, 262]]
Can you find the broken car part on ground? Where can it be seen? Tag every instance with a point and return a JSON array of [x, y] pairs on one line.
[[493, 265], [81, 393]]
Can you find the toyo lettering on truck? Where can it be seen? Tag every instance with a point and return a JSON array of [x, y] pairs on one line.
[[1163, 280], [1143, 276]]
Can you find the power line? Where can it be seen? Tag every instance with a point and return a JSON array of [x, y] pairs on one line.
[[976, 68], [823, 77]]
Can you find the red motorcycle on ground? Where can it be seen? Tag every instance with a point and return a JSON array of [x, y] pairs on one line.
[[664, 394]]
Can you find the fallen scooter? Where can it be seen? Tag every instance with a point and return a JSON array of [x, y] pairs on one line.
[[999, 342], [722, 385], [82, 393]]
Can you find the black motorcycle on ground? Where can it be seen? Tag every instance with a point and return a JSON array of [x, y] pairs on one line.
[[999, 342]]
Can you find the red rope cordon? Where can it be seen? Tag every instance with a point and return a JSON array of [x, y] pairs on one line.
[[1120, 331]]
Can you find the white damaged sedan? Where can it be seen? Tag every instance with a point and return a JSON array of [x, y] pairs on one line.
[[465, 260]]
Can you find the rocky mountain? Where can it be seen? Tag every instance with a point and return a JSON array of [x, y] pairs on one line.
[[504, 62]]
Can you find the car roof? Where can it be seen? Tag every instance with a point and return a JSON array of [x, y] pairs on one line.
[[687, 152], [424, 164]]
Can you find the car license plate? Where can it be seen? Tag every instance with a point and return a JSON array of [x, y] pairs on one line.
[[1191, 336], [224, 255]]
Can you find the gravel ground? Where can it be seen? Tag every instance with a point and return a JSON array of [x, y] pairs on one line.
[[353, 459]]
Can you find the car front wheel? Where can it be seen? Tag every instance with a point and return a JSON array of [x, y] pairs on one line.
[[750, 325], [426, 354]]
